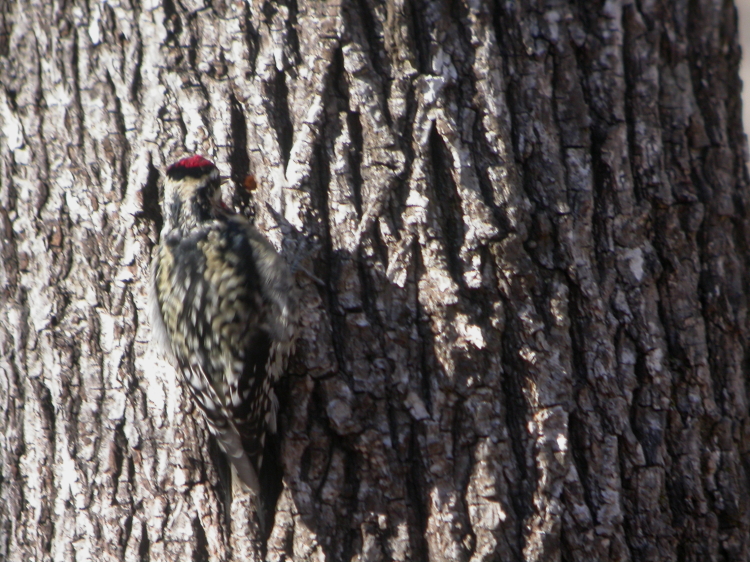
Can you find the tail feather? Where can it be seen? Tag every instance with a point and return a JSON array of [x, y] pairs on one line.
[[240, 487], [230, 441]]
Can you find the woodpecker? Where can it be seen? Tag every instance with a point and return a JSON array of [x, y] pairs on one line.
[[222, 305]]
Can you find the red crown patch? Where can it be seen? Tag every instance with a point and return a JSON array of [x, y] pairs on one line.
[[192, 162], [193, 166]]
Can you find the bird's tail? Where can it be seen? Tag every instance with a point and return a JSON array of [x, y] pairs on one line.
[[240, 489]]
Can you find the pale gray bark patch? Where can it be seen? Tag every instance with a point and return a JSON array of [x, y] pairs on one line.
[[532, 230]]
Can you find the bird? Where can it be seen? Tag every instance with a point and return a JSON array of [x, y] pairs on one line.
[[223, 307]]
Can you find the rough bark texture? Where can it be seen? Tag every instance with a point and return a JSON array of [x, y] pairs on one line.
[[534, 237]]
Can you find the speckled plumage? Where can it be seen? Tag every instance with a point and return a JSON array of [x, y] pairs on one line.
[[222, 304]]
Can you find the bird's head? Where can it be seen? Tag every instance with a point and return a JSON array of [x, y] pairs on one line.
[[191, 192]]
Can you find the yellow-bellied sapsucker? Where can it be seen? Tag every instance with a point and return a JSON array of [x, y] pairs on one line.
[[222, 303]]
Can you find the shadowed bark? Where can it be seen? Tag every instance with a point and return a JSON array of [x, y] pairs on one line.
[[533, 235]]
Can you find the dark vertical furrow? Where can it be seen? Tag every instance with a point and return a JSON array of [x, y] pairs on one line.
[[281, 118], [447, 204], [150, 205], [240, 160], [355, 157], [421, 37]]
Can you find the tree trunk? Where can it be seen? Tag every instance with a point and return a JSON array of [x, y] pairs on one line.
[[533, 235]]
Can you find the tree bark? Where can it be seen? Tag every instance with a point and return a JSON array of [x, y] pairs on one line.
[[532, 226]]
